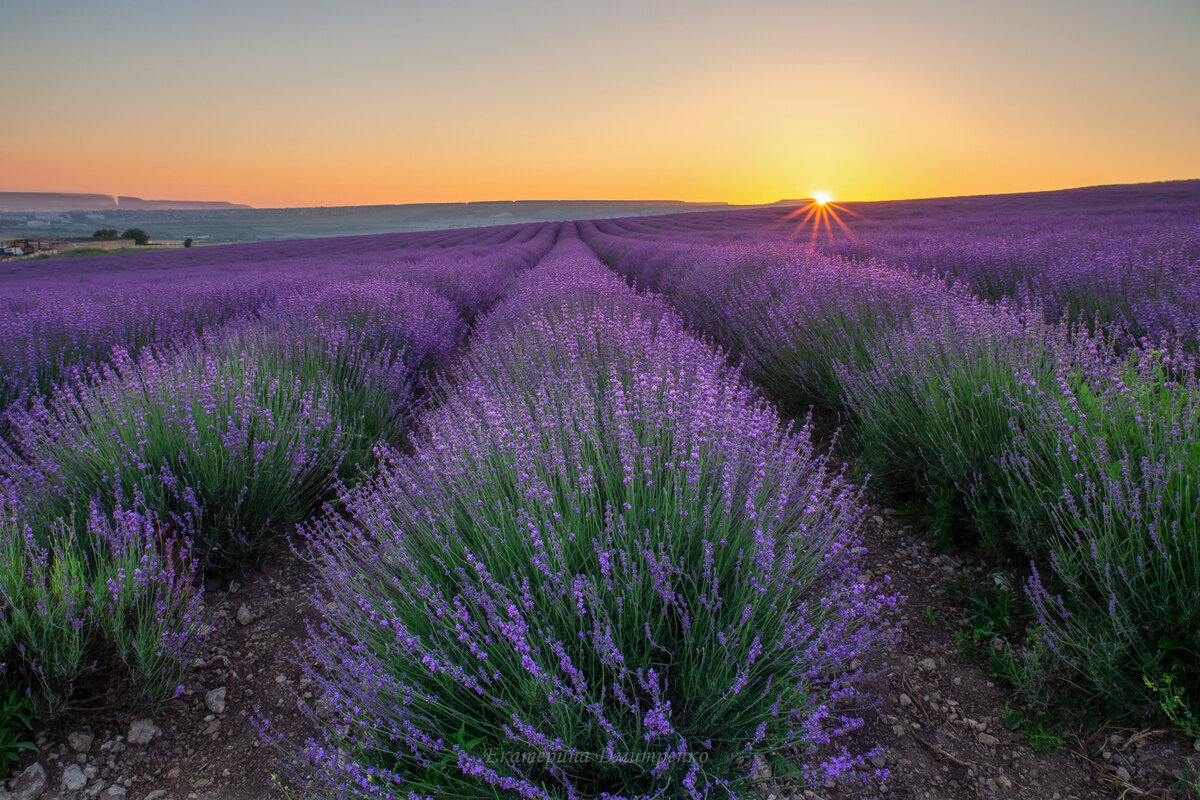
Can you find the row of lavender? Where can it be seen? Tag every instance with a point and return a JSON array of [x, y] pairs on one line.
[[171, 415], [605, 569], [1129, 255], [1076, 448], [58, 314]]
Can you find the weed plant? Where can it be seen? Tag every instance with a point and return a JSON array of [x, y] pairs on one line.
[[16, 723]]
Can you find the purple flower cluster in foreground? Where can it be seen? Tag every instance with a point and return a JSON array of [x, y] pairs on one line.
[[122, 588], [605, 555]]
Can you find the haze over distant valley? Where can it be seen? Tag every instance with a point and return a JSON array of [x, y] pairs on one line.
[[55, 215]]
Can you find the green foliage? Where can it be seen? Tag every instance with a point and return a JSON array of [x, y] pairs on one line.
[[1170, 700], [16, 722], [188, 242], [105, 233], [991, 622], [45, 634], [139, 236], [1039, 731], [441, 772], [996, 636], [80, 252]]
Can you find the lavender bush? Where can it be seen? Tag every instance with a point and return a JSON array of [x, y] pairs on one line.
[[80, 616], [1052, 443], [1116, 459], [606, 570], [221, 447], [938, 400], [375, 340]]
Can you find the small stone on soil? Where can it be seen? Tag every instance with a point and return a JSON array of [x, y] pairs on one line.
[[81, 741], [73, 778], [30, 783], [215, 700], [142, 731]]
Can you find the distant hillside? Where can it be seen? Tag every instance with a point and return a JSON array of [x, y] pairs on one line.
[[138, 204], [224, 223], [67, 201], [53, 201]]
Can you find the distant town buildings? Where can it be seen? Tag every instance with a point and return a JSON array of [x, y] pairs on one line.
[[17, 248]]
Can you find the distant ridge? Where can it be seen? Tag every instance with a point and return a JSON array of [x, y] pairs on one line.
[[70, 201], [138, 204]]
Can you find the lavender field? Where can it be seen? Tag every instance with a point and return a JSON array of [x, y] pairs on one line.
[[584, 503]]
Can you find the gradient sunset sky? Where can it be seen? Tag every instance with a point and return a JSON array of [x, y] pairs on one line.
[[358, 102]]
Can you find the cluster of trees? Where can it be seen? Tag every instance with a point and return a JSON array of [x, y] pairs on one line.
[[139, 236]]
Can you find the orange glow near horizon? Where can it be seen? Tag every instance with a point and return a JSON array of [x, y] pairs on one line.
[[310, 104]]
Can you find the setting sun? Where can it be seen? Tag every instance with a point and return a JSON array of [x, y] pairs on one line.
[[822, 198]]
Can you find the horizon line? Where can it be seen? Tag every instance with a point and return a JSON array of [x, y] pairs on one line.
[[664, 201]]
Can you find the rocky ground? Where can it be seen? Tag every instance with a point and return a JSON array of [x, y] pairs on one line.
[[938, 717]]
